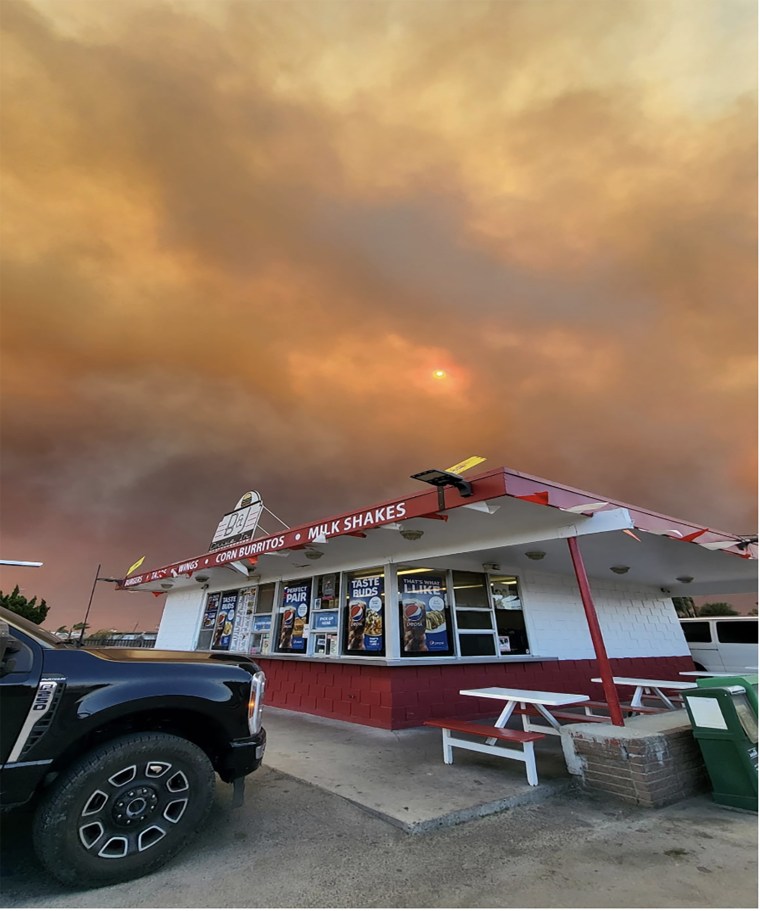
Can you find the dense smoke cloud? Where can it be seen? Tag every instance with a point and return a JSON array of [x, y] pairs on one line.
[[238, 237]]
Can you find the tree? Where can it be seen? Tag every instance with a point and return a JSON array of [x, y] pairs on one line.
[[685, 607], [717, 609], [22, 606]]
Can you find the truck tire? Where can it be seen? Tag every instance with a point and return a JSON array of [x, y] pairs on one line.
[[124, 809]]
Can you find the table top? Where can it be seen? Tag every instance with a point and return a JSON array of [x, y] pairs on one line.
[[707, 673], [643, 681], [533, 697]]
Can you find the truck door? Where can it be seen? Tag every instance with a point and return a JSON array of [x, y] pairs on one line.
[[20, 671]]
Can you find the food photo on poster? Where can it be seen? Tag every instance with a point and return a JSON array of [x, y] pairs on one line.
[[365, 614], [423, 613]]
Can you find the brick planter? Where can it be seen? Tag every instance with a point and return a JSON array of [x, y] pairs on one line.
[[651, 762]]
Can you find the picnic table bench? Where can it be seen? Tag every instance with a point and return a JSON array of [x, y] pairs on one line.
[[544, 704], [492, 733]]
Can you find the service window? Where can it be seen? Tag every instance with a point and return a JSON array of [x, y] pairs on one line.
[[740, 632], [510, 621], [476, 629], [261, 632], [325, 615], [424, 614], [697, 632], [364, 626], [293, 617]]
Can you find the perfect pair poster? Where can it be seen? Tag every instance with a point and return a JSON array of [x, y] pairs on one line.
[[423, 613], [295, 616]]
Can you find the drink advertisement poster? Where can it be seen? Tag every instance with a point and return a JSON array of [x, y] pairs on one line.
[[423, 603], [225, 621], [209, 615], [365, 614], [295, 616]]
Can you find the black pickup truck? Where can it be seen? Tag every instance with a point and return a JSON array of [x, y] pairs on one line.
[[118, 747]]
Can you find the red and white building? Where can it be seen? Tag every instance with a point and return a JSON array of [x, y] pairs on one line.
[[381, 615]]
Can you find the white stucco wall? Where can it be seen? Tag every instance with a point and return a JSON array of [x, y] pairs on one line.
[[181, 620], [635, 622]]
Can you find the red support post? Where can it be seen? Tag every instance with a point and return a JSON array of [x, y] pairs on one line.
[[610, 693]]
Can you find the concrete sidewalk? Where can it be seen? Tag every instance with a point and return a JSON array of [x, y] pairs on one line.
[[400, 776]]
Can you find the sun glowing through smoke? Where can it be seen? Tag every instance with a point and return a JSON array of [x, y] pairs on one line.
[[440, 374]]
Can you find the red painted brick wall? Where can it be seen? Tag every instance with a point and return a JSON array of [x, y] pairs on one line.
[[404, 697]]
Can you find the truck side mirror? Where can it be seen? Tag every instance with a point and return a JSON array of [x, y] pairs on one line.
[[6, 649]]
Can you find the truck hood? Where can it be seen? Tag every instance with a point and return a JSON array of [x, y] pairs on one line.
[[166, 656]]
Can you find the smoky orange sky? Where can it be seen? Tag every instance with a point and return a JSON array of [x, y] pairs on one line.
[[238, 238]]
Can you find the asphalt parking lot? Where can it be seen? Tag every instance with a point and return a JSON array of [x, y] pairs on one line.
[[297, 845]]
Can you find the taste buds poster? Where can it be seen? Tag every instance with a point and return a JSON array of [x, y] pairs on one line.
[[365, 614]]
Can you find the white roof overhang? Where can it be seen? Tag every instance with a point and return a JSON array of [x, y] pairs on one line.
[[508, 514]]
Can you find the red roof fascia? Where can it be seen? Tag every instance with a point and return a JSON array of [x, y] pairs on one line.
[[490, 485]]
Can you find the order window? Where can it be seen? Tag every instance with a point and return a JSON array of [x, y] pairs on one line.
[[511, 634], [476, 628]]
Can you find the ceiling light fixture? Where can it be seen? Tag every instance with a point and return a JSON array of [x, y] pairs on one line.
[[313, 554], [201, 579], [620, 570], [167, 585], [535, 554], [685, 579], [411, 534]]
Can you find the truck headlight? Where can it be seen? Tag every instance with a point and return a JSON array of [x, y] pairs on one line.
[[256, 701]]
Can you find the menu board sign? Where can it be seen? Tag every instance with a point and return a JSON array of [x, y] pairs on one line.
[[241, 634], [225, 621], [423, 602], [295, 615], [365, 614]]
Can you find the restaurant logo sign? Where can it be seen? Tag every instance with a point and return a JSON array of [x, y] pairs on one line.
[[238, 526]]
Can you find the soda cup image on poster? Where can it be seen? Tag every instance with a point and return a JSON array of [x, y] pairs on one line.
[[423, 614], [365, 615]]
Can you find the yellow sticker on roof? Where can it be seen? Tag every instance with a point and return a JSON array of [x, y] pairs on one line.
[[466, 465]]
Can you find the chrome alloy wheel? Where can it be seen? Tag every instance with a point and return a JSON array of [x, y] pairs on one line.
[[133, 809]]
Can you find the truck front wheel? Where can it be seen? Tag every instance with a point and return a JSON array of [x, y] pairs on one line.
[[124, 809]]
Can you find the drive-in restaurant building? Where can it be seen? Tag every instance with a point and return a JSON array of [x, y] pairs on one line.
[[382, 615]]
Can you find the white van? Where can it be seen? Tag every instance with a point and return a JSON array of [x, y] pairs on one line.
[[722, 643]]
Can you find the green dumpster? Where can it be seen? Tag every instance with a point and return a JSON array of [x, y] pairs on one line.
[[725, 727]]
